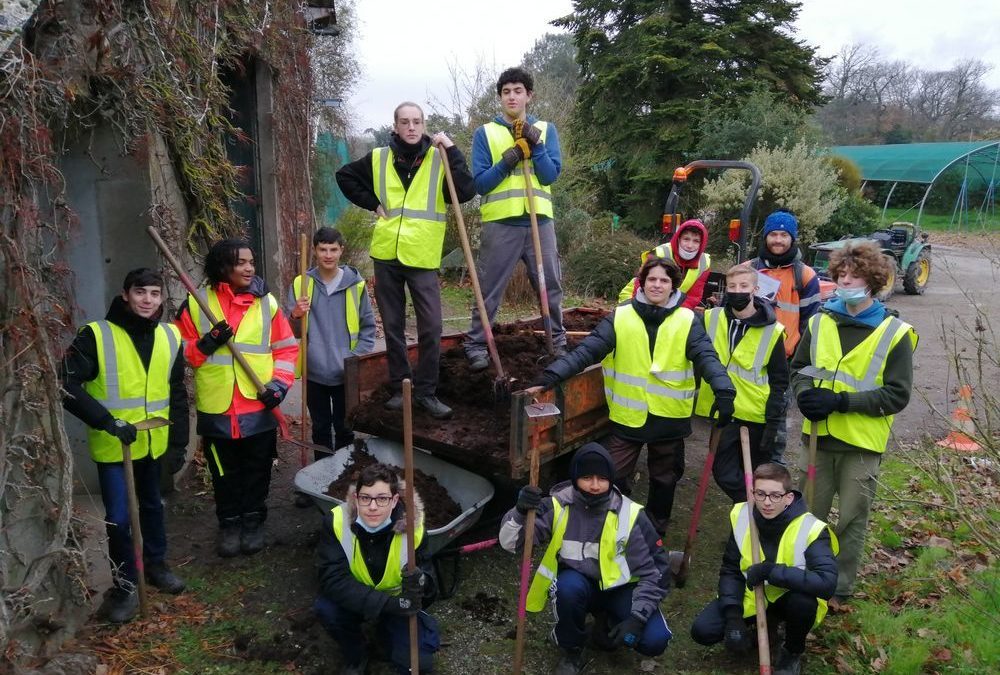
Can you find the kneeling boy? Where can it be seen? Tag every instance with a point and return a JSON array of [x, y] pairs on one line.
[[798, 570], [596, 565]]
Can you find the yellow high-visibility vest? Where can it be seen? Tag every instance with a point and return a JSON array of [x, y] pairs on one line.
[[861, 369], [747, 366], [396, 561], [796, 538], [413, 230], [509, 199], [635, 384], [215, 378], [129, 391], [610, 556], [352, 311]]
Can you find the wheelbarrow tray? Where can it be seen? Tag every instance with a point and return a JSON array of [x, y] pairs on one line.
[[470, 491]]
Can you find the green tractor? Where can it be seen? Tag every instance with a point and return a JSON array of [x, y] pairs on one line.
[[903, 244]]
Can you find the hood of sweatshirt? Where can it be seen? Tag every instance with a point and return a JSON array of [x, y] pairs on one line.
[[349, 277], [697, 227]]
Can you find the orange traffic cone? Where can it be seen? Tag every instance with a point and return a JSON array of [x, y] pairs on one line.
[[960, 438]]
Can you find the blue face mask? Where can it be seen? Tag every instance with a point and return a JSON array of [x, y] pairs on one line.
[[852, 296], [372, 530]]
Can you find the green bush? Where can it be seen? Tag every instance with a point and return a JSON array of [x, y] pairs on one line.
[[357, 225], [601, 266], [855, 215], [848, 173]]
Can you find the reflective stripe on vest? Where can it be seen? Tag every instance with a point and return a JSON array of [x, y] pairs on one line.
[[861, 369], [796, 538], [634, 383], [611, 552], [396, 560], [352, 311], [413, 230], [747, 366], [509, 199], [128, 391], [215, 378]]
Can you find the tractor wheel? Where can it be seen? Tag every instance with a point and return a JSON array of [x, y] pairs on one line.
[[918, 274], [890, 285]]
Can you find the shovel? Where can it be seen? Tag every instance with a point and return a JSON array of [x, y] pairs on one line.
[[680, 577], [811, 468], [535, 413], [763, 644], [543, 295], [133, 510], [502, 385], [303, 345], [411, 527]]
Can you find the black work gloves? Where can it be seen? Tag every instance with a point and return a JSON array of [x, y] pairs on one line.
[[736, 633], [759, 573], [409, 600], [122, 430], [725, 407], [528, 499], [271, 396], [817, 404], [768, 439], [220, 334], [174, 458], [627, 632]]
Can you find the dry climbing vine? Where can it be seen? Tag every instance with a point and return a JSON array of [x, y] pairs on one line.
[[151, 70]]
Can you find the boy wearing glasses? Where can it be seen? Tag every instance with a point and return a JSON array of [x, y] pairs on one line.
[[798, 570], [363, 577]]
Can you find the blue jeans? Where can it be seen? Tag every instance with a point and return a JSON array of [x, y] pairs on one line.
[[577, 595], [392, 633], [115, 497]]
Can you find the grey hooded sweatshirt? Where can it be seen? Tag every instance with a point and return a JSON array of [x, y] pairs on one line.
[[329, 340]]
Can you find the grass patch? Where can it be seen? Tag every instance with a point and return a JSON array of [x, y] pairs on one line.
[[944, 221]]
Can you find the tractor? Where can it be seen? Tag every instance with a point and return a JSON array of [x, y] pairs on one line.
[[903, 244]]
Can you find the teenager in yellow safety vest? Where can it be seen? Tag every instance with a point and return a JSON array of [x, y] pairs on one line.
[[852, 372], [749, 342], [651, 350], [602, 554], [501, 149], [332, 305], [798, 570], [363, 577], [118, 372], [404, 184], [687, 249], [238, 423]]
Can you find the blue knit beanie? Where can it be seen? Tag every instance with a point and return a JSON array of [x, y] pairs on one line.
[[782, 220]]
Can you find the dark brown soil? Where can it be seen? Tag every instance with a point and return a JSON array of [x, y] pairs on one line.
[[481, 421], [487, 608], [439, 508]]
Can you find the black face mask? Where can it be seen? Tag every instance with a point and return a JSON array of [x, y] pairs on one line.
[[738, 301]]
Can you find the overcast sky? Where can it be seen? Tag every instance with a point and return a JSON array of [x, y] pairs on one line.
[[400, 61]]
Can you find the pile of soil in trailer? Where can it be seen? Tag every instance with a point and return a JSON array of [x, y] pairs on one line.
[[439, 508], [481, 421]]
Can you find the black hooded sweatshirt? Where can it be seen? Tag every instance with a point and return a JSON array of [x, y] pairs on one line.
[[80, 365]]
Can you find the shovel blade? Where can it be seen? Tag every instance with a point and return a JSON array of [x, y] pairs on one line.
[[151, 423], [539, 410]]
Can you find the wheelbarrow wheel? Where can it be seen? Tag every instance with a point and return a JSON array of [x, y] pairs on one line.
[[890, 285], [918, 274]]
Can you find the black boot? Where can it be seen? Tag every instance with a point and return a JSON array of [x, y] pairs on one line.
[[571, 663], [229, 537], [252, 534], [788, 663], [121, 605], [159, 575]]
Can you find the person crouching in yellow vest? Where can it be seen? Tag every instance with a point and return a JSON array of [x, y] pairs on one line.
[[120, 371], [798, 569], [851, 373], [749, 342], [602, 557], [238, 424], [651, 349], [362, 574], [404, 184]]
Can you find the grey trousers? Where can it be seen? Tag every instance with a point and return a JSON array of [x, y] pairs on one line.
[[425, 292], [502, 247]]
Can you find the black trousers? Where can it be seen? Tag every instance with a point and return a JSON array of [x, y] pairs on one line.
[[665, 460], [425, 292], [326, 410], [797, 610], [241, 473], [728, 465]]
